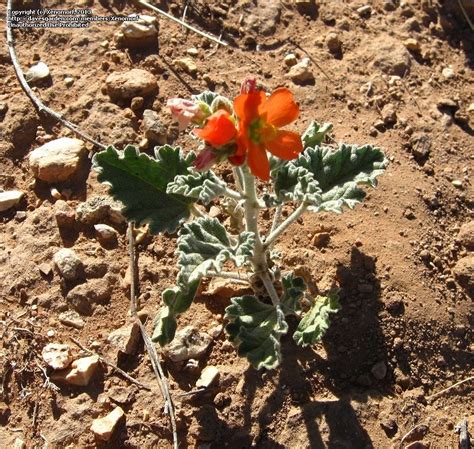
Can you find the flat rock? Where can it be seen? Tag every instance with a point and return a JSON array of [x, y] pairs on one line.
[[80, 372], [57, 356], [464, 273], [209, 375], [98, 209], [225, 288], [72, 319], [58, 160], [187, 64], [103, 428], [466, 235], [139, 33], [129, 84], [390, 56], [301, 73], [125, 339], [153, 129], [9, 199], [84, 296], [188, 343], [68, 264]]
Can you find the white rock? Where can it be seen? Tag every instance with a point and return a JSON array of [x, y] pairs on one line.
[[57, 356], [58, 160], [291, 59], [19, 444], [105, 233], [139, 32], [37, 72], [187, 64], [68, 264], [188, 343], [103, 428], [9, 199], [448, 73], [69, 81], [72, 319], [126, 338], [192, 51], [80, 372], [301, 73], [209, 375]]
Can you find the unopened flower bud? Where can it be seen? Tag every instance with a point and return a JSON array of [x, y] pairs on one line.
[[185, 111], [249, 84]]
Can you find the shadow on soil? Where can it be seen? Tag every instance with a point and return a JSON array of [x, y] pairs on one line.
[[283, 402]]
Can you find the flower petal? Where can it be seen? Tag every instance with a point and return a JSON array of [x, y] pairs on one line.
[[285, 145], [246, 105], [218, 130], [257, 160], [280, 108]]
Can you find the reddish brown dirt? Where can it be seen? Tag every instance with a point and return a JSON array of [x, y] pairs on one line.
[[393, 257]]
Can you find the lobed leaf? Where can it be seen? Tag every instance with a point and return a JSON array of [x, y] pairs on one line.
[[256, 328], [206, 97], [202, 186], [315, 323], [140, 182], [293, 291], [327, 178], [203, 246], [315, 134]]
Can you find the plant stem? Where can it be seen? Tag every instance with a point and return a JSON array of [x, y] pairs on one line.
[[251, 209], [282, 228], [196, 212], [231, 193], [276, 217]]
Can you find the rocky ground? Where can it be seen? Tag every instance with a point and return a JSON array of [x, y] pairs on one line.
[[396, 74]]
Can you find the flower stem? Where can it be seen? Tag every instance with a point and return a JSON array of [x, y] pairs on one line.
[[251, 210], [270, 239]]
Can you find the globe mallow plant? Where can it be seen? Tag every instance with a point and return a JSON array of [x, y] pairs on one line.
[[287, 168]]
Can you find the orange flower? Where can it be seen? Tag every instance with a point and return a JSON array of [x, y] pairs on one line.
[[259, 121], [218, 130]]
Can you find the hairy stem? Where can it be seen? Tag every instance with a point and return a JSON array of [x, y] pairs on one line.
[[251, 210], [276, 217], [196, 212], [231, 193], [283, 226]]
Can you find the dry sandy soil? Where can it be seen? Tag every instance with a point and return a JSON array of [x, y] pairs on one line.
[[405, 307]]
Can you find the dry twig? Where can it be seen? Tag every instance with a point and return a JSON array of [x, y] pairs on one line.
[[39, 105], [145, 4], [115, 367], [155, 362], [434, 395], [466, 15]]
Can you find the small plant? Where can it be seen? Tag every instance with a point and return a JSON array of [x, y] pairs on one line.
[[298, 170]]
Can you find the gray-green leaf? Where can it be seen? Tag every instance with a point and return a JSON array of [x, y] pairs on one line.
[[315, 134], [293, 290], [327, 178], [316, 322], [140, 181], [256, 328], [203, 246], [203, 186]]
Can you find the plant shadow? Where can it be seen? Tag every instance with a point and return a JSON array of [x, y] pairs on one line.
[[314, 389]]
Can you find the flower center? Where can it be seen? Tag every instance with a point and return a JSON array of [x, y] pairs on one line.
[[260, 131]]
